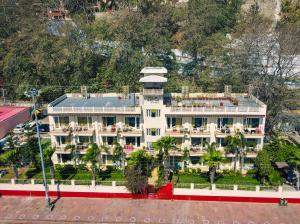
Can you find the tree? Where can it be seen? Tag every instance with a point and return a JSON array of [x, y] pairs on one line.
[[294, 160], [213, 159], [263, 165], [48, 152], [136, 181], [163, 146], [30, 149], [140, 159], [74, 152], [279, 149], [119, 154], [12, 157], [92, 156], [236, 144]]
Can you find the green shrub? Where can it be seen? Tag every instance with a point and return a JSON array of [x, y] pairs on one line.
[[252, 172], [275, 178]]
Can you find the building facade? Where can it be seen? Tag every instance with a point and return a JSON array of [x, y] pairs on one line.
[[136, 120]]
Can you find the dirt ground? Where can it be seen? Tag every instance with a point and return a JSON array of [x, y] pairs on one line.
[[86, 210]]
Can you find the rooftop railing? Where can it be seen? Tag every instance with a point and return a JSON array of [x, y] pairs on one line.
[[130, 110], [219, 110]]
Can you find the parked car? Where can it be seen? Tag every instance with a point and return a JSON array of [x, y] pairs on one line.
[[19, 129], [44, 127], [3, 142], [2, 173]]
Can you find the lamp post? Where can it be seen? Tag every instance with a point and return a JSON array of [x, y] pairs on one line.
[[33, 93]]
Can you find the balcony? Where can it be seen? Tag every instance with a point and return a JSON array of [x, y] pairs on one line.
[[200, 131], [131, 131], [83, 131], [63, 130], [110, 130], [153, 92], [197, 150], [178, 131]]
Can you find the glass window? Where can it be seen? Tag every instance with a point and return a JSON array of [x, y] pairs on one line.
[[172, 122], [61, 121], [63, 140], [109, 140], [199, 122], [132, 121], [153, 131], [221, 142], [136, 141], [225, 122], [153, 113], [251, 122], [85, 139], [199, 141], [109, 121]]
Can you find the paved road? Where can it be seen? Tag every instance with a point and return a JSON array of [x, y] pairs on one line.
[[83, 210]]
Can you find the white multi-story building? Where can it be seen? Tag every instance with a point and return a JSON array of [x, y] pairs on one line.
[[136, 120]]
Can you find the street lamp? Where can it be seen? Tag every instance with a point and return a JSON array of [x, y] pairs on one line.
[[33, 93]]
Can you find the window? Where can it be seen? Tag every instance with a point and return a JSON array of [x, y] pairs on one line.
[[132, 122], [63, 140], [251, 122], [153, 131], [225, 122], [199, 122], [221, 142], [172, 122], [199, 141], [153, 113], [85, 139], [109, 140], [136, 141], [109, 121], [84, 121], [61, 121]]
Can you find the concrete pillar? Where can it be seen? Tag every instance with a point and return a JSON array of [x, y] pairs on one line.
[[192, 186], [280, 189], [13, 181], [52, 182], [213, 187], [113, 183], [32, 181], [73, 182], [235, 187], [93, 183], [257, 188]]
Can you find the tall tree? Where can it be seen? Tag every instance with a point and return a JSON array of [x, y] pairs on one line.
[[263, 165], [92, 156], [48, 152]]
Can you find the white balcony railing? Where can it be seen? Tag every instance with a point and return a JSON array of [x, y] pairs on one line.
[[116, 110], [217, 110]]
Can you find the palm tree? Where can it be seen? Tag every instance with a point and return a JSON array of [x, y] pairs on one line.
[[48, 152], [236, 144], [74, 153], [213, 158], [92, 157], [164, 145]]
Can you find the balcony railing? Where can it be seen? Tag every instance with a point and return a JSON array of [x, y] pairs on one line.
[[116, 110], [218, 110], [153, 92]]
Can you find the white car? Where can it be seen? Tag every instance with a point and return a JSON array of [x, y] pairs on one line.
[[19, 129]]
